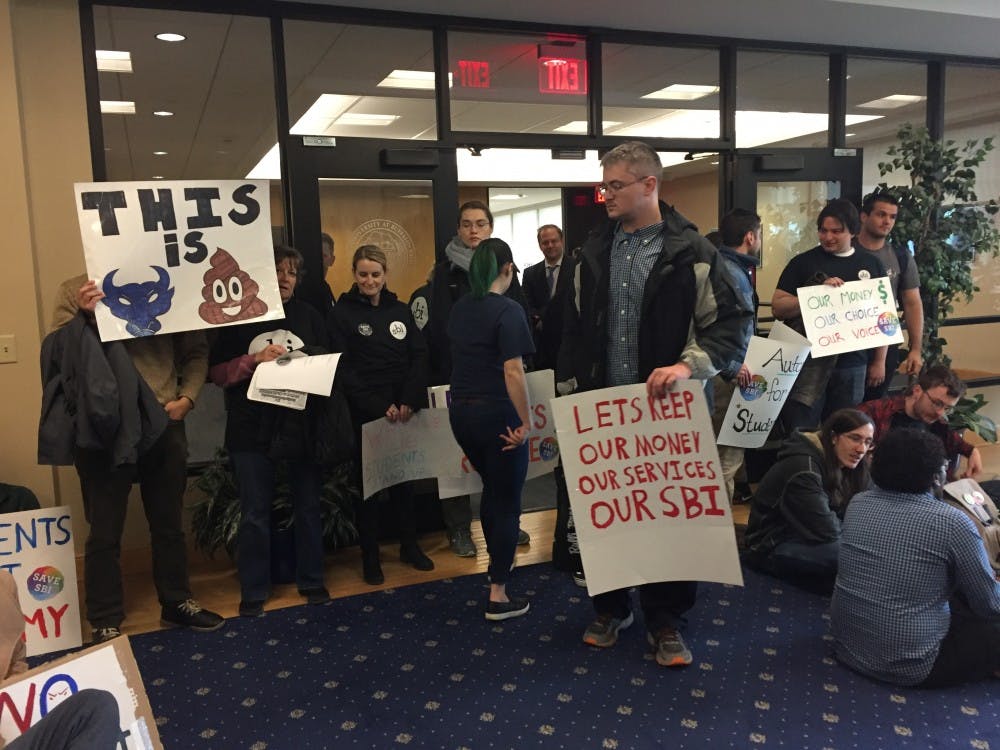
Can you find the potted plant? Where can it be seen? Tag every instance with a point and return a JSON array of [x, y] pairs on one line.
[[941, 220], [216, 519]]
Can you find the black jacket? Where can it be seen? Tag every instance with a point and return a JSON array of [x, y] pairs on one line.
[[384, 358], [544, 313], [690, 310], [791, 503], [93, 398], [277, 431]]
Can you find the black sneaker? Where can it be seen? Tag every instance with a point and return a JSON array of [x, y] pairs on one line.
[[189, 614], [103, 635], [318, 595], [505, 610], [523, 538], [252, 608]]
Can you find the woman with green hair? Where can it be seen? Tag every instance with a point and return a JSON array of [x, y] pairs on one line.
[[489, 416]]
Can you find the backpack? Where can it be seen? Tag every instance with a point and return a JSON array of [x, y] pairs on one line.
[[976, 503]]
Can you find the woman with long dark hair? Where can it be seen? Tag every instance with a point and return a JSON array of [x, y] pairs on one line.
[[383, 373], [795, 514], [489, 337]]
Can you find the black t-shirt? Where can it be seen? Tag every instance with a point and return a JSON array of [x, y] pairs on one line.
[[485, 333], [814, 266], [901, 421]]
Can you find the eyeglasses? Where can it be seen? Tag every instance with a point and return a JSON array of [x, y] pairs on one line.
[[940, 405], [481, 224], [617, 186], [859, 439]]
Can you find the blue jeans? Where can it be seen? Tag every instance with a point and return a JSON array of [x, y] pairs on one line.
[[255, 476], [477, 425], [811, 566]]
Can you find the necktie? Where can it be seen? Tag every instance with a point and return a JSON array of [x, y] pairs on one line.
[[551, 278]]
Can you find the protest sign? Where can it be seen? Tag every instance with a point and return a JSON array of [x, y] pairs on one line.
[[111, 667], [36, 547], [394, 452], [178, 256], [856, 315], [645, 487], [459, 478], [775, 363]]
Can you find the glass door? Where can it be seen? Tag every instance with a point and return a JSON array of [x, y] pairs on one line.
[[788, 188], [365, 192]]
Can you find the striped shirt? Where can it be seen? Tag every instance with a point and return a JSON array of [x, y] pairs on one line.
[[633, 256], [902, 557]]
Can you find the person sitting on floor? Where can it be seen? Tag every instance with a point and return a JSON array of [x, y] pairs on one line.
[[794, 527], [87, 720], [916, 601], [925, 406]]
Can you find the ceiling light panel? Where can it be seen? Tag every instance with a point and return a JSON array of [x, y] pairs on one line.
[[117, 108], [893, 101], [685, 92], [114, 61]]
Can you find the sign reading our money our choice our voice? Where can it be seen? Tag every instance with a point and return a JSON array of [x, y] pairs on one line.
[[645, 487], [856, 315], [775, 363], [178, 256]]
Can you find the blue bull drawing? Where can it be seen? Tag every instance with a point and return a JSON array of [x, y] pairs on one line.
[[139, 303]]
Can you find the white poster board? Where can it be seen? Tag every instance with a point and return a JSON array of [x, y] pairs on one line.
[[775, 363], [393, 452], [178, 256], [645, 487], [856, 315], [36, 547], [110, 666], [459, 478]]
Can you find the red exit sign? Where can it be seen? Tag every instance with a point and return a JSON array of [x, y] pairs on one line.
[[561, 75], [473, 74]]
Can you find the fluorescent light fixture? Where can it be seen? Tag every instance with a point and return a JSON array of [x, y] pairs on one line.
[[113, 61], [848, 135], [507, 197], [117, 108], [163, 113], [319, 118], [171, 37], [893, 101], [411, 79], [580, 126], [416, 196], [268, 168], [357, 119], [682, 91], [157, 176], [159, 153]]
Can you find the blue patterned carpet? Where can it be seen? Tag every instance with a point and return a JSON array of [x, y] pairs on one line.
[[419, 667]]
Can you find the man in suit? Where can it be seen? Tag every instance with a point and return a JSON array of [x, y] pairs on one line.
[[545, 286]]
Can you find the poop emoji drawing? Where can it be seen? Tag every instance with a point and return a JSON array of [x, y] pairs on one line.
[[229, 292]]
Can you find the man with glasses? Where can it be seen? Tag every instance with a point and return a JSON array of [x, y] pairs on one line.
[[925, 406], [651, 303]]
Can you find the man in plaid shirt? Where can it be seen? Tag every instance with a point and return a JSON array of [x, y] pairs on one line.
[[925, 406]]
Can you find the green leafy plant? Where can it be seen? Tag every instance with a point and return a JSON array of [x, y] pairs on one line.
[[966, 416], [942, 220], [216, 519]]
